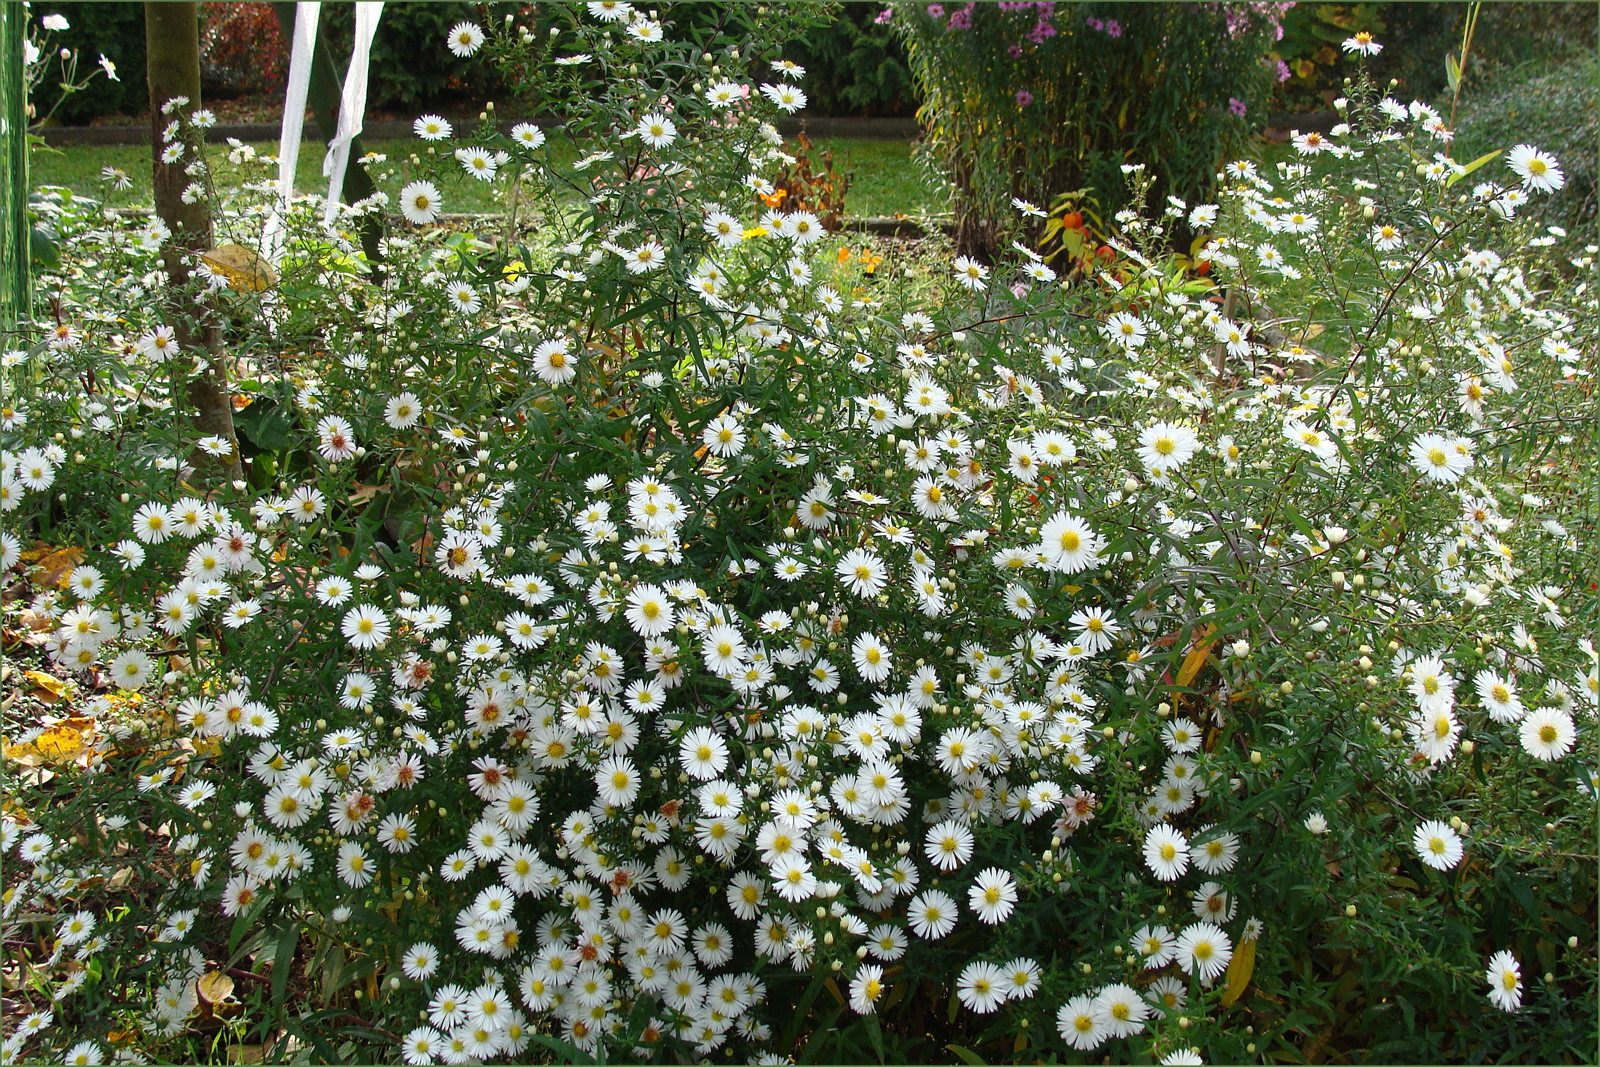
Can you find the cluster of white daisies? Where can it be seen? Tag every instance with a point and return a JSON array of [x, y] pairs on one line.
[[819, 751]]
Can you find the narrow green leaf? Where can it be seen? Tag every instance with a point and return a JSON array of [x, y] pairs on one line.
[[282, 960], [875, 1036], [1474, 165]]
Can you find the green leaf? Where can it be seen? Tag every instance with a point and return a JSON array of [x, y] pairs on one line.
[[814, 1047], [875, 1036], [1474, 165], [566, 1053], [792, 1031], [966, 1055], [264, 424], [42, 247], [282, 960], [245, 920]]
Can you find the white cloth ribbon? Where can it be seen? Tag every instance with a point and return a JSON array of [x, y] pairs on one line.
[[352, 104], [294, 119]]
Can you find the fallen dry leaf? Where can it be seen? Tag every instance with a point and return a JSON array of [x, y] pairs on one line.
[[244, 268], [37, 623], [55, 565], [214, 987], [46, 688], [59, 744]]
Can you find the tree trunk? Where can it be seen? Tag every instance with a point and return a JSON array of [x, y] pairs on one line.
[[323, 96], [172, 46]]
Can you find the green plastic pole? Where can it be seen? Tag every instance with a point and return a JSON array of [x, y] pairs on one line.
[[15, 288]]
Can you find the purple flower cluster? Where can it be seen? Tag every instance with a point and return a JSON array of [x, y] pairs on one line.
[[1241, 18], [1042, 30], [1109, 27]]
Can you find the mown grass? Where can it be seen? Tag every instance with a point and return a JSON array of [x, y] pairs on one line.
[[885, 180]]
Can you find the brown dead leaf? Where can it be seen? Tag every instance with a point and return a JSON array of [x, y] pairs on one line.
[[56, 564], [37, 624]]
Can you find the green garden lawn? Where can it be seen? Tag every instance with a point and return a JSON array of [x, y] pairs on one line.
[[885, 177]]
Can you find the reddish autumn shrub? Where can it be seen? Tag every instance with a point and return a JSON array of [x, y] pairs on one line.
[[242, 50]]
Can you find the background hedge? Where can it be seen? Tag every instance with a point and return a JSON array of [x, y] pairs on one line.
[[855, 65]]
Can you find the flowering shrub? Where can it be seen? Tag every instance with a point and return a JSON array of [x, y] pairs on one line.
[[1029, 100], [652, 639], [243, 49]]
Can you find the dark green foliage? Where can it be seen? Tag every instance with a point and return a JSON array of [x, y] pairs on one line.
[[856, 65], [1508, 35], [115, 29], [1555, 106], [406, 32], [1416, 37]]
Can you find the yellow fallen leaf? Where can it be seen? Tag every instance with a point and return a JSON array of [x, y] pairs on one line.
[[244, 268], [46, 687], [1196, 658], [246, 1053], [214, 986], [58, 744], [1240, 968]]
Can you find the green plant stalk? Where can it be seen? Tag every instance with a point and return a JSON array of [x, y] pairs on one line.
[[1461, 68], [15, 290]]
